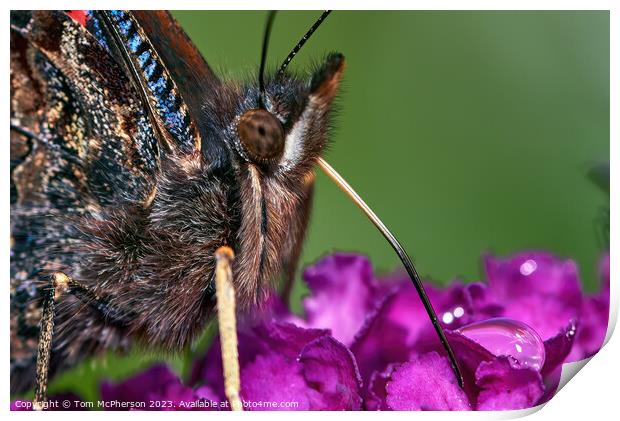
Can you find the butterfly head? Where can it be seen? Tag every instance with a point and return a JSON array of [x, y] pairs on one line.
[[286, 123]]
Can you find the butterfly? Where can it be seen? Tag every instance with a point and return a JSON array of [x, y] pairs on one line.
[[132, 163]]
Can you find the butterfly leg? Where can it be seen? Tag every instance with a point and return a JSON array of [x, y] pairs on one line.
[[59, 283], [225, 293]]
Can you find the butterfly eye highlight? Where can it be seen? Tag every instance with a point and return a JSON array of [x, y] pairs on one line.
[[262, 135]]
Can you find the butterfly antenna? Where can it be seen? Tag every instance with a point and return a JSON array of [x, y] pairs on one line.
[[302, 41], [403, 256], [261, 73]]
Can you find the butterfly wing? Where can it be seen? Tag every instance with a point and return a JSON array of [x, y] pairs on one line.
[[94, 110], [80, 142], [130, 45], [144, 65], [91, 137]]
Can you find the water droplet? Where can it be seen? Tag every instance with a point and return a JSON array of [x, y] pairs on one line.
[[503, 336], [459, 312], [528, 267]]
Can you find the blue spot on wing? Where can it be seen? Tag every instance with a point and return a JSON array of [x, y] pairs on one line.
[[94, 26], [150, 68], [134, 42], [144, 57], [167, 101], [125, 27]]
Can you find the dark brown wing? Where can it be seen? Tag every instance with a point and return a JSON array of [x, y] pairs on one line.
[[81, 142], [93, 142], [96, 103]]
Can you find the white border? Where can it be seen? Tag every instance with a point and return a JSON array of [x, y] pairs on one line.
[[593, 396]]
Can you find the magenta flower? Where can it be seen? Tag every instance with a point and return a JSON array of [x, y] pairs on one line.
[[511, 334], [342, 306], [536, 288], [157, 388], [367, 343], [286, 367]]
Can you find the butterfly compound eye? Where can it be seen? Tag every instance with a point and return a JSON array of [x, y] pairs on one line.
[[262, 135]]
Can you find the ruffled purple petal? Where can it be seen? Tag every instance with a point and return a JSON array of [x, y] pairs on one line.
[[323, 377], [425, 383], [592, 327], [286, 338], [274, 382], [313, 360], [264, 338], [532, 273], [400, 323], [537, 288], [551, 381], [385, 337], [558, 348], [330, 368], [343, 292], [504, 385], [456, 304]]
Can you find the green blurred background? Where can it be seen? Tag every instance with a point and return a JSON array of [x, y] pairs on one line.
[[467, 132]]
